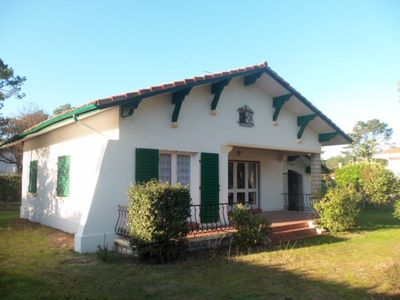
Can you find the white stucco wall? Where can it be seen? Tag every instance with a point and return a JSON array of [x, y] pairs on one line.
[[102, 165], [86, 149]]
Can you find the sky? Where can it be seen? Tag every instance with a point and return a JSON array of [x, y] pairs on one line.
[[343, 56]]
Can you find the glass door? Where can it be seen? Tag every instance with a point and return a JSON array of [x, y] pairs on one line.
[[243, 182]]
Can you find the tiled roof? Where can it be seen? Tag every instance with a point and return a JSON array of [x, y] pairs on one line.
[[180, 83]]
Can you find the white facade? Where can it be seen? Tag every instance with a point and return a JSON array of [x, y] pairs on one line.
[[392, 156], [102, 150]]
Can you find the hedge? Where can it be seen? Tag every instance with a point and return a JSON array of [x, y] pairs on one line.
[[10, 188], [158, 215]]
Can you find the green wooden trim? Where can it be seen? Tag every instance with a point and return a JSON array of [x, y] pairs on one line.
[[63, 175], [146, 164], [251, 79], [216, 90], [52, 121], [325, 137], [277, 103], [209, 187], [33, 168], [303, 99], [177, 100], [128, 109], [302, 122]]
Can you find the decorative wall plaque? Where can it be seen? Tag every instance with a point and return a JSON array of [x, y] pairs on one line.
[[246, 116]]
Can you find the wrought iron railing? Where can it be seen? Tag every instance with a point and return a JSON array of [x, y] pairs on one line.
[[203, 218], [121, 227], [300, 202]]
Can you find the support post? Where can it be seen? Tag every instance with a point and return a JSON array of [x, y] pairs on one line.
[[315, 173]]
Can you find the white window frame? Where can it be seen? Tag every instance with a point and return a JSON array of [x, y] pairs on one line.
[[174, 165]]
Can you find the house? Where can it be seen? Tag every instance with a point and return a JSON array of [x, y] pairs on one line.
[[235, 136], [392, 156]]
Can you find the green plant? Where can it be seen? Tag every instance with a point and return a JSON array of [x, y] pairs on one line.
[[10, 188], [252, 229], [376, 184], [339, 209], [158, 215], [396, 212]]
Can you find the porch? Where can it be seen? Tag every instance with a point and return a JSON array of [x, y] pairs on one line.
[[212, 222]]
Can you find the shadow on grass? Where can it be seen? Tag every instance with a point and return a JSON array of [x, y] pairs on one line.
[[376, 219]]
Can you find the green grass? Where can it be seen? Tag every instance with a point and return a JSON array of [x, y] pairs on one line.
[[37, 262]]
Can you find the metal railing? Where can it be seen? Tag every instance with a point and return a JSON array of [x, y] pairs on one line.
[[299, 202], [202, 219], [121, 227]]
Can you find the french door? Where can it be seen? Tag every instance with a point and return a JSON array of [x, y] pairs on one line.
[[243, 182]]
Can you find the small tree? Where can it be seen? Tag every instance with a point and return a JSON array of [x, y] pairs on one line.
[[10, 127], [339, 209], [376, 184]]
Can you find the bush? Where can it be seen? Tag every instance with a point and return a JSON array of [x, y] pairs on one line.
[[10, 188], [252, 229], [339, 209], [158, 215], [396, 212], [377, 185]]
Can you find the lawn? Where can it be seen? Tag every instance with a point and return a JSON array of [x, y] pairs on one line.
[[38, 262]]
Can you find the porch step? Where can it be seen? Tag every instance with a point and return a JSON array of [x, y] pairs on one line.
[[293, 234], [289, 226]]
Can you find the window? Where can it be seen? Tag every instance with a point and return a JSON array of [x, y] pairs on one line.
[[63, 168], [246, 116], [174, 168], [165, 168], [32, 188]]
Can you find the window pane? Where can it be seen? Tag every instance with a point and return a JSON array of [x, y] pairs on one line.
[[241, 198], [165, 168], [183, 169], [252, 198], [230, 198], [252, 175], [240, 175], [230, 175]]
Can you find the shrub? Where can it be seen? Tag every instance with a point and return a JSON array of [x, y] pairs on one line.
[[396, 212], [252, 229], [10, 188], [158, 215], [377, 185], [339, 209]]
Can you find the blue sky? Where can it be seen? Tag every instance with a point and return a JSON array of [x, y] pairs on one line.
[[344, 56]]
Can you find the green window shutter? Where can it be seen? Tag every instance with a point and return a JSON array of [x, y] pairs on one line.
[[146, 166], [63, 168], [209, 185], [33, 176]]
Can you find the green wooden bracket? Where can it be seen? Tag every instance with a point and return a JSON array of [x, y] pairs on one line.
[[251, 79], [177, 100], [216, 90], [302, 122], [325, 137], [128, 109], [277, 103]]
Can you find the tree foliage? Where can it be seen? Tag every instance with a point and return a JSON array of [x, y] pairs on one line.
[[62, 108], [368, 139], [339, 209], [376, 184], [10, 84], [10, 127]]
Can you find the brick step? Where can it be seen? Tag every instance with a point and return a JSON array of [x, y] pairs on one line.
[[293, 233], [290, 226]]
